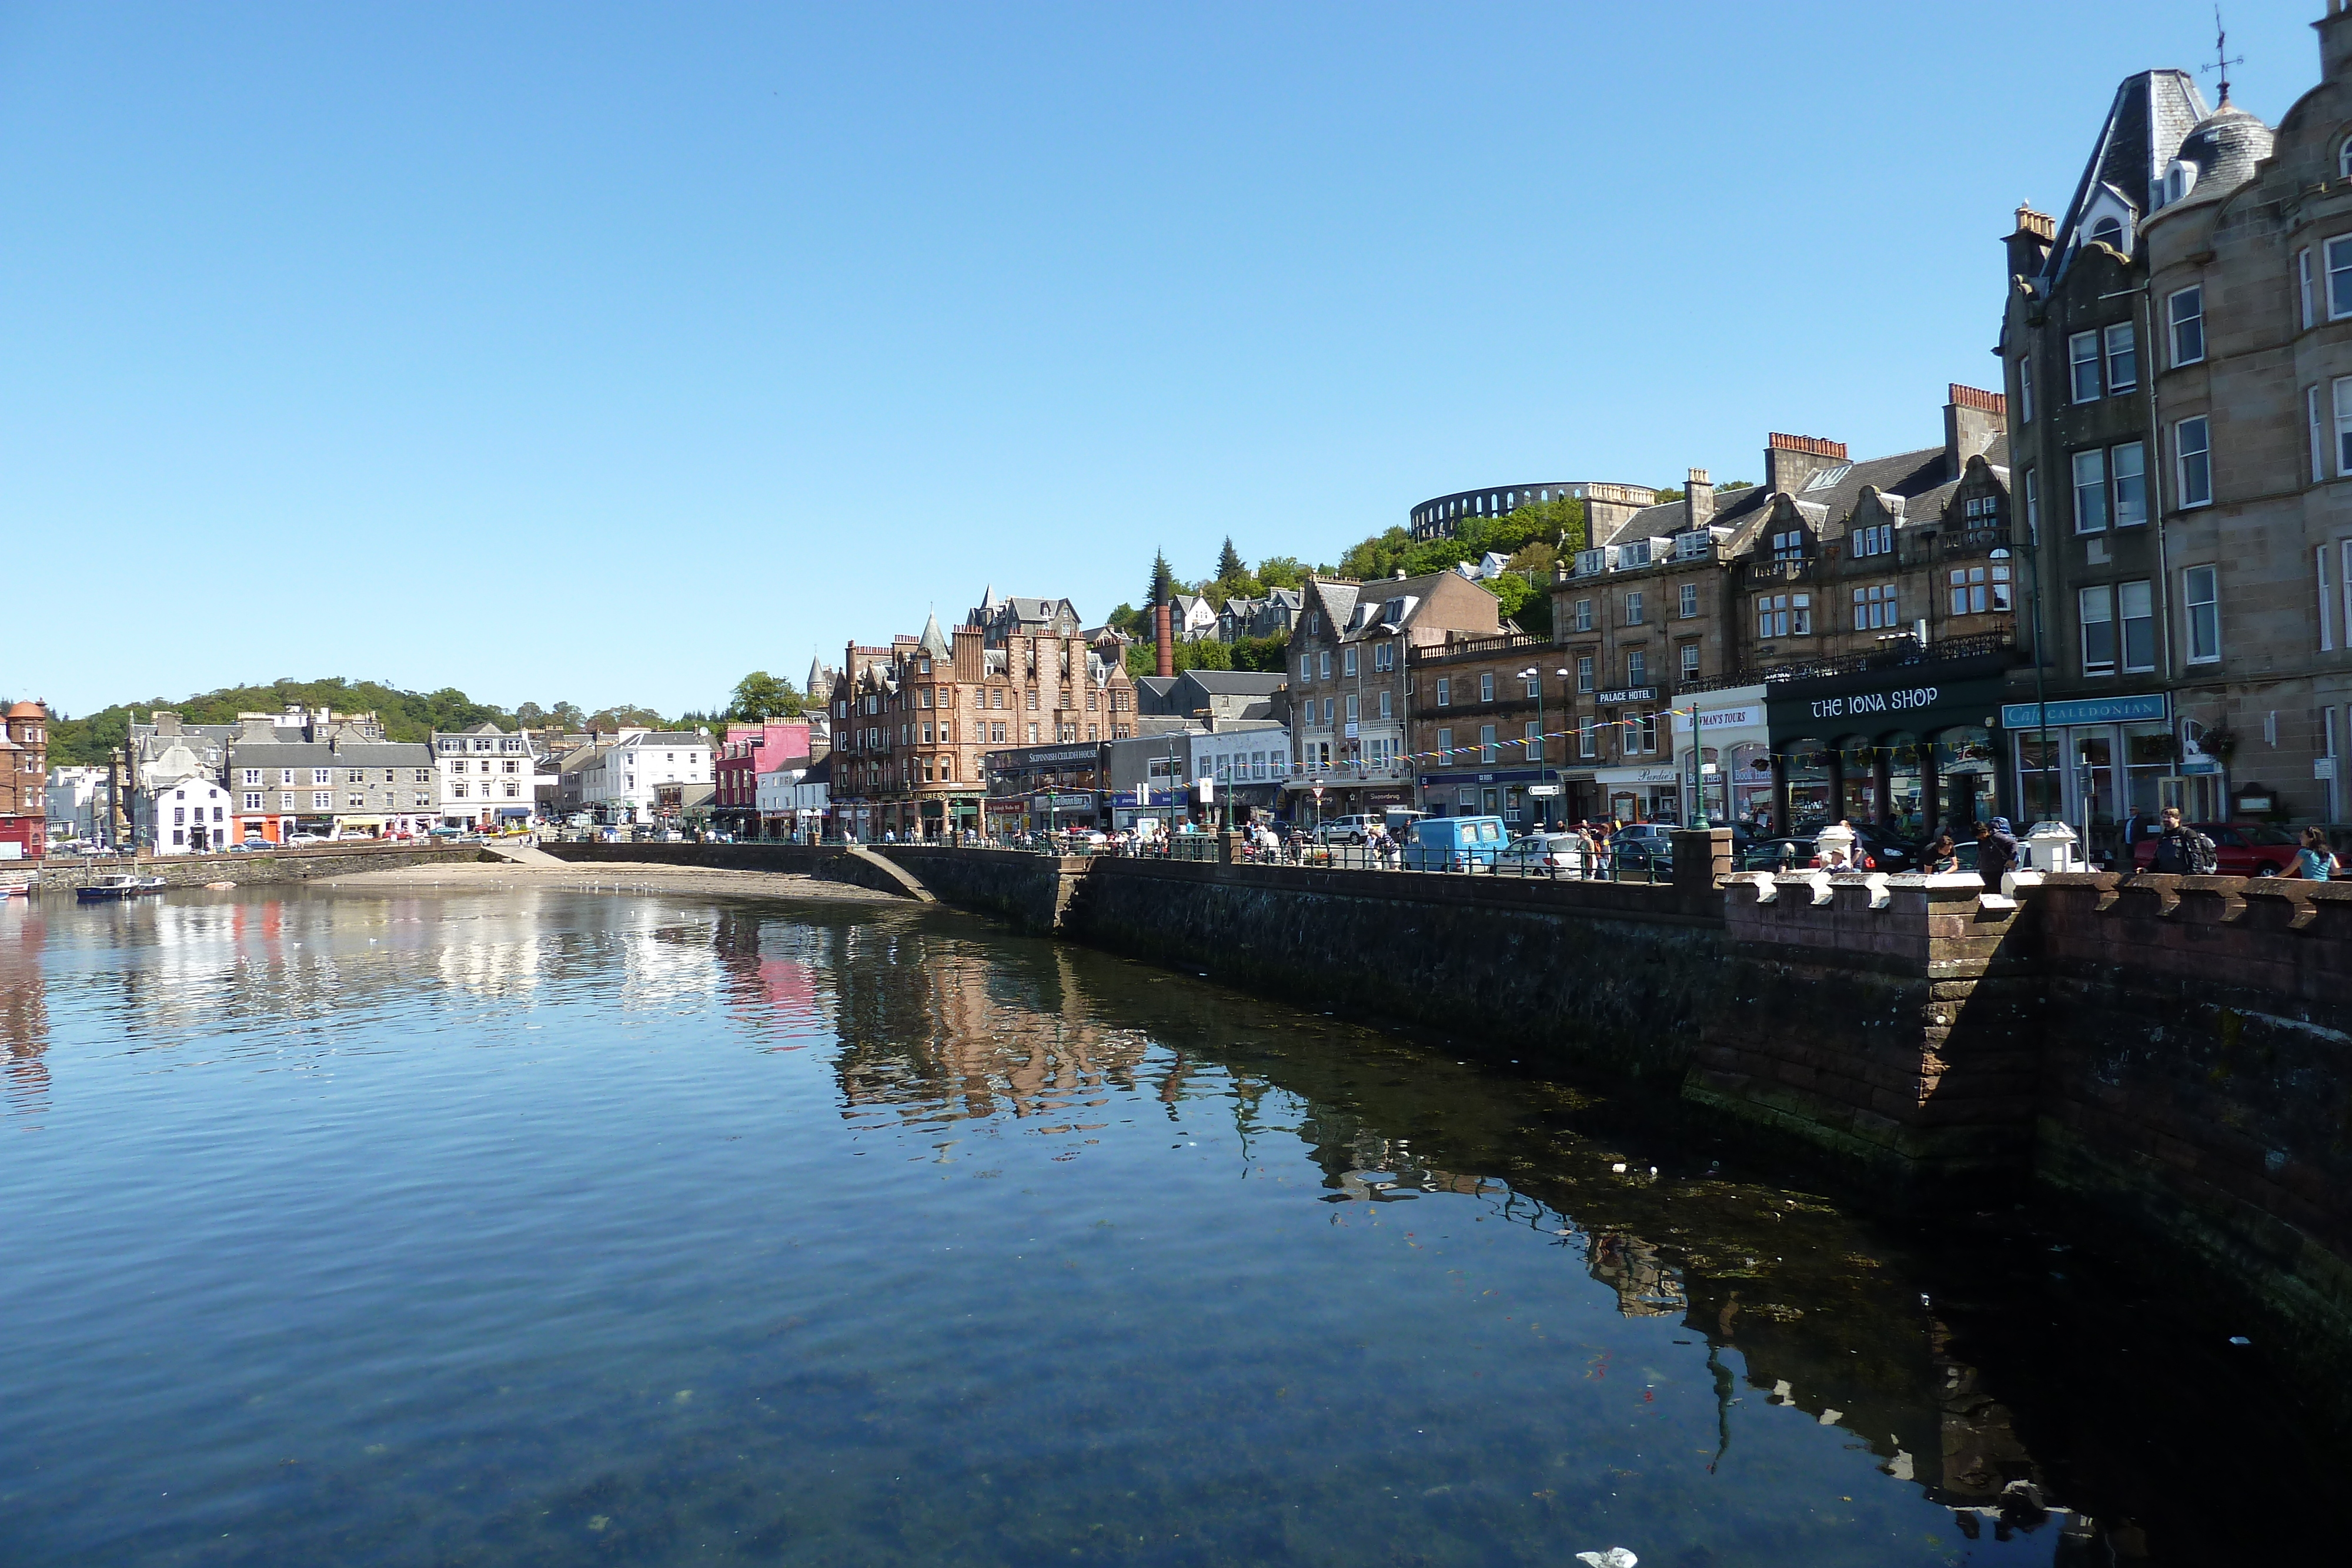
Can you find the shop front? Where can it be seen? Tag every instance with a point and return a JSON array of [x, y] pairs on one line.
[[1490, 792], [1725, 772], [1907, 748], [1651, 794], [2090, 762]]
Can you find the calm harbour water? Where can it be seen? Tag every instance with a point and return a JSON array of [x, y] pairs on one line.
[[553, 1227]]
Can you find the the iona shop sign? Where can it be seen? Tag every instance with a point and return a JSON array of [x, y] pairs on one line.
[[1905, 699]]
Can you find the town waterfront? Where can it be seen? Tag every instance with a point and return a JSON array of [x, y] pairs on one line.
[[554, 1225]]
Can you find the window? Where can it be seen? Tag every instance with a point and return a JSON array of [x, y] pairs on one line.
[[1690, 661], [1532, 743], [1384, 655], [2083, 366], [2304, 301], [2318, 430], [1873, 607], [253, 775], [1486, 686], [1633, 610], [2025, 392], [2095, 608], [1347, 661], [1352, 713], [1649, 732], [2343, 160], [1445, 739], [2123, 356], [1588, 740], [2032, 509], [1534, 684], [252, 799], [457, 791], [1444, 692], [2339, 278], [2136, 611], [2193, 443], [1323, 664], [2090, 492], [2127, 471], [1689, 605], [286, 801], [2201, 596], [1385, 711], [1584, 615], [1486, 743], [1878, 538], [1327, 713], [1584, 672], [1790, 546], [355, 801], [1977, 589], [1637, 667], [2186, 311], [322, 775], [322, 799]]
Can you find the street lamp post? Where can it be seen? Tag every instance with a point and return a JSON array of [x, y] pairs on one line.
[[1543, 764]]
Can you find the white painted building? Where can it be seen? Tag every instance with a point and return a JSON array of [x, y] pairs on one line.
[[189, 815], [792, 800], [617, 781], [483, 776], [76, 803]]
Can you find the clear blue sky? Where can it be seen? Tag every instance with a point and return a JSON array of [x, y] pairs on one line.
[[602, 355]]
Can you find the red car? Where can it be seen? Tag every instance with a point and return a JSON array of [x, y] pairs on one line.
[[2240, 849]]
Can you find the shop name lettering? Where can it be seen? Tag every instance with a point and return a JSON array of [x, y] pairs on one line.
[[1874, 702]]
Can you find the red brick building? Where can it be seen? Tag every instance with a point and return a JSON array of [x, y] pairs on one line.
[[24, 781], [747, 751]]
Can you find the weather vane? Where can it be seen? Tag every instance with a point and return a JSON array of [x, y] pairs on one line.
[[2222, 60]]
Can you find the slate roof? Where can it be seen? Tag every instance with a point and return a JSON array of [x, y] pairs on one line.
[[319, 754], [2153, 112], [1922, 478]]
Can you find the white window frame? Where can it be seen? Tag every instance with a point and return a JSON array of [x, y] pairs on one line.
[[1637, 667], [2200, 610], [2326, 602], [2145, 592], [1347, 661], [2198, 461], [1584, 672], [2100, 596], [2095, 487], [2181, 326], [1689, 600], [2317, 429], [2337, 260], [1485, 685], [2025, 392], [2129, 350], [2032, 509], [2306, 298], [1486, 743], [1444, 692], [1634, 608], [2115, 478], [2083, 355], [1690, 661]]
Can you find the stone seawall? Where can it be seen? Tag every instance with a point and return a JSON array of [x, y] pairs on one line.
[[801, 859], [1615, 978], [62, 877]]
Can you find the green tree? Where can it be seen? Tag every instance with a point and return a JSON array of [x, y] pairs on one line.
[[1282, 572], [760, 696], [1163, 581], [1271, 654], [1126, 618], [1229, 562]]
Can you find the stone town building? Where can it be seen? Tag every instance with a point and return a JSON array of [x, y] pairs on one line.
[[1838, 583], [2178, 342], [912, 723], [1352, 687], [744, 753], [1272, 615], [79, 801], [1477, 739], [24, 781], [321, 775]]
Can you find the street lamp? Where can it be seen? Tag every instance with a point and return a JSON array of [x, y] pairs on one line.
[[1534, 674]]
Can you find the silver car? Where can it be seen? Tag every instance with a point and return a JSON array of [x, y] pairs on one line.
[[1544, 854]]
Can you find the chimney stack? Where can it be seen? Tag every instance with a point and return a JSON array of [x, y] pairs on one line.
[[166, 721], [1163, 631], [1698, 500], [2334, 39], [1790, 460], [1973, 420]]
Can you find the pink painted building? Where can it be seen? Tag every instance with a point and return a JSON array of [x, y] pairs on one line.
[[746, 750]]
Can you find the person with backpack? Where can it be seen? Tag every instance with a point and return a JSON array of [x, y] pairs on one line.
[[1996, 850], [2182, 850]]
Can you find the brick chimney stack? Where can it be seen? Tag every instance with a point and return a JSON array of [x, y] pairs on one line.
[[1163, 629], [1973, 420], [1790, 460]]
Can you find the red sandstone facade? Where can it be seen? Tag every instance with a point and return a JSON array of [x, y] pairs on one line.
[[24, 781]]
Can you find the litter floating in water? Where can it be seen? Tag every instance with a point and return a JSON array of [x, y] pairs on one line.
[[2240, 1339], [1619, 1168], [1615, 1557]]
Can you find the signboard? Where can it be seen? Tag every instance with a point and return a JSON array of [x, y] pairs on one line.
[[1209, 790], [1638, 775], [1350, 729], [1543, 792], [1629, 694], [1067, 802], [1904, 698], [2084, 710], [1748, 715]]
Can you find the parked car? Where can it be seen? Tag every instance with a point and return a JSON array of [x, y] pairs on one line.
[[1543, 854], [1891, 853], [1453, 843], [1632, 857], [2240, 848], [1348, 830], [1789, 852], [296, 839]]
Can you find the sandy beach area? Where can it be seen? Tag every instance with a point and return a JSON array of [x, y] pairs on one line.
[[471, 876]]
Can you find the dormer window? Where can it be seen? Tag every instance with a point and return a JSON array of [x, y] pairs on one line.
[[2178, 181], [2108, 232]]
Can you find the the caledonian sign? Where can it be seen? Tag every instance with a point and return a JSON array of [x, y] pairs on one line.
[[1902, 698]]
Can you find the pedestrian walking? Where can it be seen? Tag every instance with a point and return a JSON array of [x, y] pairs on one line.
[[1943, 856], [1996, 850], [2182, 850], [2314, 861]]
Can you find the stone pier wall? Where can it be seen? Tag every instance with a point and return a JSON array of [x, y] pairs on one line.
[[61, 877]]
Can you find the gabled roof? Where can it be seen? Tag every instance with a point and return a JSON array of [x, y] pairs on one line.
[[2153, 112]]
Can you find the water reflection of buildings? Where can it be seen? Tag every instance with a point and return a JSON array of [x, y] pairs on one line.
[[24, 1008]]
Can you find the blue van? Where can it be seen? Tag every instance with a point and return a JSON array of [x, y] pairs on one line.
[[1454, 843]]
